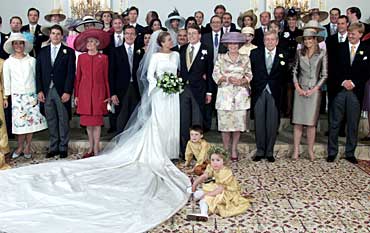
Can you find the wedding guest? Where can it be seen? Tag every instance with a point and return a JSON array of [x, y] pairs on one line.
[[247, 19], [289, 43], [55, 74], [174, 23], [3, 38], [15, 24], [269, 68], [247, 47], [218, 10], [34, 28], [232, 74], [308, 77], [106, 17], [146, 40], [265, 18], [155, 25], [123, 64], [331, 27], [182, 39], [190, 21], [116, 38], [88, 22], [151, 15], [279, 16], [199, 17], [275, 27], [366, 101], [222, 197], [351, 75], [354, 15], [196, 147], [318, 16], [125, 18], [55, 16], [91, 85], [4, 144], [227, 25], [133, 13], [19, 82]]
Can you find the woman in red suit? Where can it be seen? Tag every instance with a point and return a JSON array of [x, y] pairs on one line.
[[91, 84]]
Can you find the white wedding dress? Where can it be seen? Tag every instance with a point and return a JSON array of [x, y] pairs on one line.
[[132, 187]]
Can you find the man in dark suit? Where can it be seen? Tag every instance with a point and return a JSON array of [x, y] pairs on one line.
[[199, 17], [117, 38], [212, 41], [352, 71], [331, 27], [227, 25], [279, 15], [265, 18], [354, 16], [3, 38], [34, 28], [269, 67], [182, 39], [196, 69], [123, 64], [133, 13], [55, 74], [332, 44], [220, 11]]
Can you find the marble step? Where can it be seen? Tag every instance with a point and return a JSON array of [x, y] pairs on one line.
[[285, 124], [283, 147]]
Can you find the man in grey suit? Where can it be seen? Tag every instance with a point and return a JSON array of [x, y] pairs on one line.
[[55, 74], [269, 67]]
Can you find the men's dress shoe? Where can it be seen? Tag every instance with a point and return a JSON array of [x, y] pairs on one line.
[[197, 217], [330, 158], [63, 154], [111, 130], [352, 159], [51, 154], [271, 159], [257, 158]]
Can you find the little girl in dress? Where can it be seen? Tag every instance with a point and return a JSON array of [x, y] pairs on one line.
[[223, 195]]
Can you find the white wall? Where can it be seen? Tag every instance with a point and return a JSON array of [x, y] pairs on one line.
[[163, 7]]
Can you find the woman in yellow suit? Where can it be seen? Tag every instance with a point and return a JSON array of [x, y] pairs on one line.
[[4, 146]]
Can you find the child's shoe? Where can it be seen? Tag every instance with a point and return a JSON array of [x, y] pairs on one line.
[[197, 217]]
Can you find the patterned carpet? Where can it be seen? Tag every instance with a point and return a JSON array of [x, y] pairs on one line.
[[289, 196]]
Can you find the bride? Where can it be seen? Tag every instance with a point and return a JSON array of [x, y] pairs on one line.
[[132, 187]]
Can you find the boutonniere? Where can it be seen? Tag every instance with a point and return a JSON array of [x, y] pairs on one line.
[[6, 37], [204, 52], [281, 55], [65, 51], [365, 58], [138, 51], [361, 52], [286, 34], [40, 34], [282, 63]]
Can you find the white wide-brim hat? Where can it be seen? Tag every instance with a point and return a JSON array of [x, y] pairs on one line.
[[8, 46], [88, 20], [175, 15]]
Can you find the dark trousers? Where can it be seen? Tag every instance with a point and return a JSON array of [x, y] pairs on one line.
[[128, 105], [344, 105], [266, 122], [8, 117], [210, 111], [58, 121], [113, 116], [189, 115]]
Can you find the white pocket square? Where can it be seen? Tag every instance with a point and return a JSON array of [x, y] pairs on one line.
[[365, 58]]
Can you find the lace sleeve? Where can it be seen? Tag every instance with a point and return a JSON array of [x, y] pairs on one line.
[[151, 74]]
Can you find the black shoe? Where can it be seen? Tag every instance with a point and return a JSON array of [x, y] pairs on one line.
[[327, 133], [351, 159], [257, 158], [330, 158], [63, 154], [342, 134], [51, 154], [111, 130], [271, 159]]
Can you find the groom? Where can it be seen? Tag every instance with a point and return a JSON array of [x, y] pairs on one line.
[[196, 68]]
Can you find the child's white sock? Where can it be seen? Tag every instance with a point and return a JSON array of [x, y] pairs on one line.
[[203, 207], [198, 194]]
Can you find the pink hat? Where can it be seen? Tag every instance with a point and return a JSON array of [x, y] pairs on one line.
[[81, 40]]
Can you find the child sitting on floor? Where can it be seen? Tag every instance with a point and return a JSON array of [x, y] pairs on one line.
[[197, 147], [223, 196]]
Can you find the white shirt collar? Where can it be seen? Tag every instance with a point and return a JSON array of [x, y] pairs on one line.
[[333, 24], [196, 45], [127, 45], [273, 52], [58, 46], [356, 45], [133, 24], [229, 28], [344, 36], [116, 34]]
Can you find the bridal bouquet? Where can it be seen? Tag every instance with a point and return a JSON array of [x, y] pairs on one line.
[[170, 83]]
